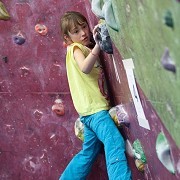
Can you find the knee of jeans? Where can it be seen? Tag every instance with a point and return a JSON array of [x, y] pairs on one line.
[[117, 159]]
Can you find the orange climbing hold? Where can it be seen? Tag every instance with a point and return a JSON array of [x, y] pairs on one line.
[[41, 29], [58, 107]]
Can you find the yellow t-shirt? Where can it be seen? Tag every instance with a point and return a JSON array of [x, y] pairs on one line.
[[87, 90]]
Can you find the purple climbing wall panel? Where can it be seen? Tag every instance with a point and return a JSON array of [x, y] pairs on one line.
[[121, 95], [36, 142]]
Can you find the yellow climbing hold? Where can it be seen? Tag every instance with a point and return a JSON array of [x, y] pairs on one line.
[[4, 15]]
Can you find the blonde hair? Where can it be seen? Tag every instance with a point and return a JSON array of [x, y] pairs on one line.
[[70, 19]]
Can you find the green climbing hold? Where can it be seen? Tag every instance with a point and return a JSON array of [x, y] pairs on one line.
[[163, 152], [4, 15], [168, 20], [105, 10], [138, 151], [79, 129]]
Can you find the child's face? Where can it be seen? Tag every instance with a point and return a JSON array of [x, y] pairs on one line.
[[80, 34]]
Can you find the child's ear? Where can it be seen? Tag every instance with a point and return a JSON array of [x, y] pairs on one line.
[[66, 37]]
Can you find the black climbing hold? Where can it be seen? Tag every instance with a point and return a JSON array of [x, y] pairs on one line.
[[5, 59], [168, 19], [19, 39], [104, 39]]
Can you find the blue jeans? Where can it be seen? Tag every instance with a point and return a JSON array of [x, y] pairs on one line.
[[99, 128]]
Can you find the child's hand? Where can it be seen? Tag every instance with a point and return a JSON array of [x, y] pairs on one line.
[[102, 38], [96, 34]]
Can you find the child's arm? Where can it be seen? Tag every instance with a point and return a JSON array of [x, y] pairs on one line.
[[86, 64]]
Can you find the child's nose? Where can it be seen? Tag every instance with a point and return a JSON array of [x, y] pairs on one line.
[[83, 32]]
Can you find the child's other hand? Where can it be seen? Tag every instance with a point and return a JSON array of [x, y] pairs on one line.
[[96, 34]]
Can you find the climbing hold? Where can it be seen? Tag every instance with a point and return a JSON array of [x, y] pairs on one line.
[[104, 39], [119, 115], [109, 15], [5, 59], [4, 15], [139, 155], [167, 62], [58, 107], [38, 114], [19, 39], [41, 29], [104, 10], [122, 115], [137, 152], [140, 165], [168, 19], [163, 152], [113, 115], [96, 6], [79, 129], [24, 71]]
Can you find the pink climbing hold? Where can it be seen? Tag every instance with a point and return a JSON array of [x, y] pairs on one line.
[[41, 29]]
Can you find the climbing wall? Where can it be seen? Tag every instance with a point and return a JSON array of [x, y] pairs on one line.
[[143, 76], [37, 116], [149, 34]]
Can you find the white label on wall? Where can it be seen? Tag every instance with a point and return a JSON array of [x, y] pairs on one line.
[[129, 66]]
